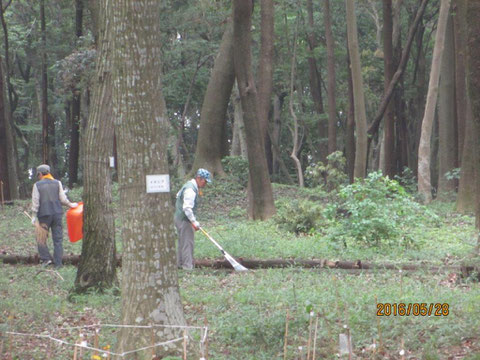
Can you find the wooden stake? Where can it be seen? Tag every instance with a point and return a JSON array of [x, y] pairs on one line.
[[205, 323], [286, 337], [185, 344], [95, 342], [315, 338], [1, 191], [378, 327], [309, 335]]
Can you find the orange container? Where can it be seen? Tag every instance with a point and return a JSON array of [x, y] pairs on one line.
[[75, 223]]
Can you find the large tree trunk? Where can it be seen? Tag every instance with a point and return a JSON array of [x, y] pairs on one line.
[[424, 151], [332, 105], [389, 130], [208, 153], [4, 134], [466, 198], [265, 71], [261, 204], [239, 142], [473, 81], [97, 264], [359, 99], [447, 150], [75, 114], [150, 293]]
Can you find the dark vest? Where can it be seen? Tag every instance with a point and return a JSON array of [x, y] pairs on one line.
[[179, 214], [49, 199]]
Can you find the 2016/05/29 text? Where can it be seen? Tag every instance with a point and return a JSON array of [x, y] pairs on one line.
[[415, 309]]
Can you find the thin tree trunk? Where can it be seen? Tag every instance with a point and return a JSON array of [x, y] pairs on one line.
[[332, 105], [424, 151], [76, 108], [389, 130], [209, 148], [150, 293], [97, 265], [261, 204], [359, 99], [350, 131], [458, 8], [447, 116]]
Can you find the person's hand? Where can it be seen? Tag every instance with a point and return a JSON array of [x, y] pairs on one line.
[[34, 220], [74, 205], [196, 225]]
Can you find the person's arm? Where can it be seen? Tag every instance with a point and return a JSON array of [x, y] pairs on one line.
[[63, 198], [35, 203], [188, 203]]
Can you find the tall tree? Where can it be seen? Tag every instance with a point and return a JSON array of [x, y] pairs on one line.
[[97, 267], [261, 204], [332, 104], [447, 151], [389, 129], [4, 133], [359, 97], [76, 106], [473, 81], [150, 293], [208, 152], [424, 151]]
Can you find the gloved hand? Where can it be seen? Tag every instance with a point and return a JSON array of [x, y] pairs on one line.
[[74, 205], [196, 225], [34, 218]]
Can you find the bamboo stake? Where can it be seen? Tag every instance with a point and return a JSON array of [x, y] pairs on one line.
[[95, 342], [286, 337], [315, 338], [309, 335], [205, 354], [185, 344], [378, 327]]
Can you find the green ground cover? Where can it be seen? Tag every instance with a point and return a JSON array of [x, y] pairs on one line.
[[246, 312]]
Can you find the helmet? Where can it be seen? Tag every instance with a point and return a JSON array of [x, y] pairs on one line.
[[205, 174]]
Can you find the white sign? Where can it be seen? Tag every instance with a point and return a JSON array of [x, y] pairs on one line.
[[158, 183], [112, 162]]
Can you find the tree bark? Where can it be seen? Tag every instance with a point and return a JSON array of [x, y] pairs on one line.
[[208, 152], [46, 126], [424, 151], [4, 133], [150, 293], [350, 131], [473, 83], [447, 116], [459, 7], [97, 266], [389, 129], [332, 105], [359, 99], [261, 204]]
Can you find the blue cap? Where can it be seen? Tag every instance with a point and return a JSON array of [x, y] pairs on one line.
[[205, 174]]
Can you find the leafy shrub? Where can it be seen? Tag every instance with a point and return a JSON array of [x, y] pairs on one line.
[[299, 216], [331, 175], [375, 211], [237, 168]]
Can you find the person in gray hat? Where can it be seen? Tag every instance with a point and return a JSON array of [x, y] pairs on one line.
[[185, 220], [47, 199]]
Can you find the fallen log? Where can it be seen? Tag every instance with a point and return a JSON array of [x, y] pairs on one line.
[[259, 263]]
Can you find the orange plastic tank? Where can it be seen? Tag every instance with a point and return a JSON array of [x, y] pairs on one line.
[[75, 223]]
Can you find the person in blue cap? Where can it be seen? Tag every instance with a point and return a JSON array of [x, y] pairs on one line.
[[185, 219]]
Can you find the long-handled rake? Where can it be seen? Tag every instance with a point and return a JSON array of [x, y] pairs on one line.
[[236, 265]]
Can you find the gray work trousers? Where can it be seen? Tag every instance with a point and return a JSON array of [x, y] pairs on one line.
[[53, 222], [185, 244]]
